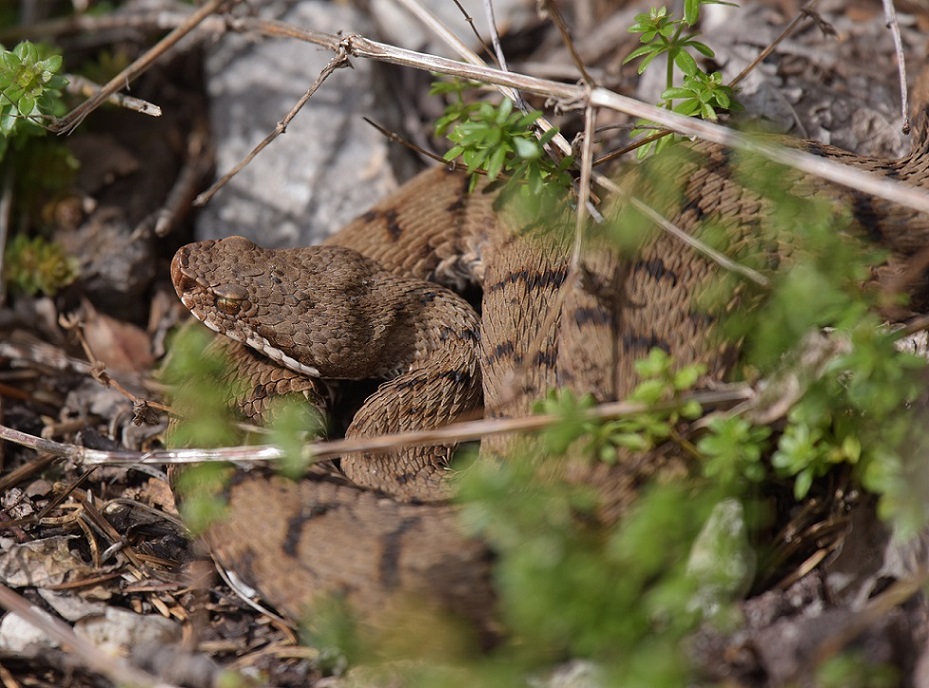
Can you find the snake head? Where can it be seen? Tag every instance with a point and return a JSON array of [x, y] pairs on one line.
[[319, 311]]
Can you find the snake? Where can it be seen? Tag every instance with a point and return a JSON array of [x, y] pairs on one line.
[[381, 299]]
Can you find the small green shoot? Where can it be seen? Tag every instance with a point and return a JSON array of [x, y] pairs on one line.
[[35, 265], [661, 383], [733, 449], [701, 94], [498, 140], [201, 391], [30, 92], [295, 420]]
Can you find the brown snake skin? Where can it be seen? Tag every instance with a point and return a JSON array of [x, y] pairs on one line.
[[366, 536]]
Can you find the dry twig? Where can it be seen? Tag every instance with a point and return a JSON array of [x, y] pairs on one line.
[[339, 60], [455, 432]]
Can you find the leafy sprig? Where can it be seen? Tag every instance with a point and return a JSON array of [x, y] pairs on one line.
[[700, 94], [661, 382], [30, 91], [499, 140]]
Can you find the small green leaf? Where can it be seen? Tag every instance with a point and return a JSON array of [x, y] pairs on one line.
[[26, 106], [701, 48], [641, 50], [802, 483], [676, 93], [647, 61], [527, 149], [27, 52], [453, 152], [506, 107], [495, 162], [687, 377], [691, 11], [52, 63], [686, 63]]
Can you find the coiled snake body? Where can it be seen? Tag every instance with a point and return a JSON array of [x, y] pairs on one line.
[[370, 305]]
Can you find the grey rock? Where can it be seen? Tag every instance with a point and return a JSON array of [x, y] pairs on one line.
[[327, 167]]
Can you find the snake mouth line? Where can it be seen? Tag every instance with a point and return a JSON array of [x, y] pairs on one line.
[[263, 346], [259, 344]]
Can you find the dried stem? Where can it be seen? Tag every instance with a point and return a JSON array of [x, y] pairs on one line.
[[890, 15], [82, 86], [456, 432]]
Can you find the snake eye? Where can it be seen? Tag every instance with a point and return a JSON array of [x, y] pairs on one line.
[[230, 297]]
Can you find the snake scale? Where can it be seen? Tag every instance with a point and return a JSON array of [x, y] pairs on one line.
[[376, 302]]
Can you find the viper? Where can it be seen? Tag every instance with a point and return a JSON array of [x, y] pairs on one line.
[[380, 301]]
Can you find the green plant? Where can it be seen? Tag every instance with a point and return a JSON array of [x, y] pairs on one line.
[[861, 414], [201, 389], [497, 140], [30, 92], [733, 450], [700, 94], [622, 596], [661, 382], [858, 413], [36, 265], [294, 420]]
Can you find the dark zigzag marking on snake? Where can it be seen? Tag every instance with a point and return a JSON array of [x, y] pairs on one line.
[[388, 566], [460, 202], [655, 268], [393, 226], [507, 349], [469, 335], [533, 279], [296, 525], [501, 350], [390, 218], [633, 341], [592, 315]]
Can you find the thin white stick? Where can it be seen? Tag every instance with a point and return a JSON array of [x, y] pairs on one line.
[[890, 17], [456, 432]]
